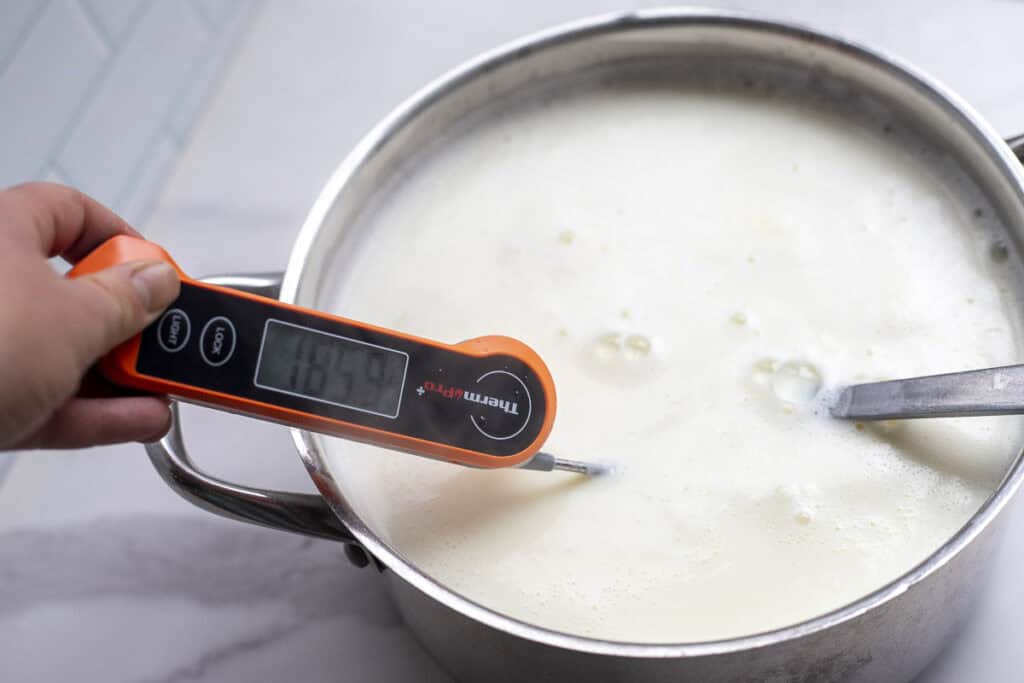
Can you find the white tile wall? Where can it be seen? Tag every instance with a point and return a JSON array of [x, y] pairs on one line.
[[112, 135], [103, 94]]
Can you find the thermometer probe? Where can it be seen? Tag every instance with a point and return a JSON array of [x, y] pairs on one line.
[[487, 402]]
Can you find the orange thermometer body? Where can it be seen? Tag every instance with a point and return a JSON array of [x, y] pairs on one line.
[[487, 402]]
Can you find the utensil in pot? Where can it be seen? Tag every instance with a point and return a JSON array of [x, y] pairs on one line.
[[487, 402], [973, 393]]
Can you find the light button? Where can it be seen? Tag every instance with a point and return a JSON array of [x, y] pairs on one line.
[[173, 330], [217, 342]]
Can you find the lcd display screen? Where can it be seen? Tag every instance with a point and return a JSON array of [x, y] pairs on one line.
[[332, 369]]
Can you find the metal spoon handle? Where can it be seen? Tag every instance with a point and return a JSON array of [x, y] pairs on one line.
[[993, 391]]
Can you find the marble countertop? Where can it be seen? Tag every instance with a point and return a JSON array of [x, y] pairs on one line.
[[106, 575]]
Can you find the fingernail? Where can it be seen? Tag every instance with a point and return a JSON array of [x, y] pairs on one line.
[[157, 284]]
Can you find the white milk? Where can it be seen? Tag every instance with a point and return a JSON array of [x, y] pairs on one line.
[[691, 266]]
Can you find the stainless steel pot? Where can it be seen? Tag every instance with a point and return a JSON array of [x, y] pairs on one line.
[[886, 636]]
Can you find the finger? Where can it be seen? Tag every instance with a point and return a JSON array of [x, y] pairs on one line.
[[84, 422], [110, 306], [95, 385], [63, 221]]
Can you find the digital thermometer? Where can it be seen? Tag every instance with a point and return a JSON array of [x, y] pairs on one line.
[[487, 402]]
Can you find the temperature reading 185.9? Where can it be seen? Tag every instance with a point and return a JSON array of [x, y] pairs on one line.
[[332, 369]]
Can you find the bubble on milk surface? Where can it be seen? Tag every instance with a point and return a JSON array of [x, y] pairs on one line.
[[796, 382], [610, 346], [763, 371], [637, 346]]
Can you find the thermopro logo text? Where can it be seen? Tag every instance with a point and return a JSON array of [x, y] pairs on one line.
[[460, 394]]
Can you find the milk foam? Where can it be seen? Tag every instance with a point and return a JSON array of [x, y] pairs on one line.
[[695, 268]]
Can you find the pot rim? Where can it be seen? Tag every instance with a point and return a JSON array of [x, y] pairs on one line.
[[315, 462]]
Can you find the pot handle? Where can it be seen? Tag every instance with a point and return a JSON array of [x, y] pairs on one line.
[[301, 513]]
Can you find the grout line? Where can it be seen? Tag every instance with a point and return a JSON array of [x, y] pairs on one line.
[[208, 21], [134, 21], [59, 171], [6, 461], [97, 25], [94, 85], [148, 205], [236, 35], [22, 38], [175, 137], [131, 180], [213, 37]]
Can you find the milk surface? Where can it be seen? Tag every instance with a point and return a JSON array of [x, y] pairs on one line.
[[696, 269]]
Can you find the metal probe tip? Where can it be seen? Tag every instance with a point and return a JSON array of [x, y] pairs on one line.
[[546, 462], [588, 468]]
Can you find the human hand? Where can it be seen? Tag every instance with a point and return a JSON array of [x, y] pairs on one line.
[[53, 329]]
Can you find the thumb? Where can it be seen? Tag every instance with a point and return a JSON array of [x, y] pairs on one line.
[[119, 302]]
